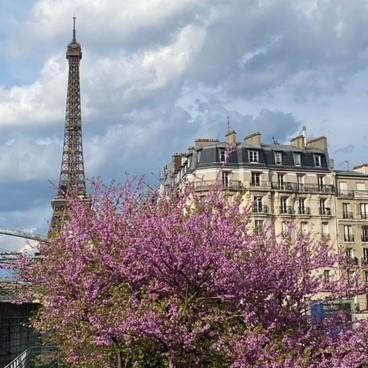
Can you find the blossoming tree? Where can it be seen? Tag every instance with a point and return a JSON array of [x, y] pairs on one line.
[[142, 280]]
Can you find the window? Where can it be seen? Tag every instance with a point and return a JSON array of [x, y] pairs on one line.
[[320, 182], [365, 254], [225, 179], [283, 205], [364, 210], [278, 158], [322, 206], [258, 204], [297, 159], [343, 188], [304, 228], [351, 276], [258, 226], [301, 206], [198, 156], [349, 253], [360, 186], [285, 228], [325, 230], [189, 161], [256, 179], [326, 275], [317, 160], [366, 276], [346, 211], [253, 156], [281, 181], [365, 233], [222, 154], [300, 181], [348, 233]]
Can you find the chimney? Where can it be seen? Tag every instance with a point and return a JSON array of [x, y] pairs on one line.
[[200, 143], [177, 161], [363, 169], [231, 137], [253, 139], [319, 143], [298, 142]]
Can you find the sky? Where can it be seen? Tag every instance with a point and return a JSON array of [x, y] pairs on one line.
[[158, 74]]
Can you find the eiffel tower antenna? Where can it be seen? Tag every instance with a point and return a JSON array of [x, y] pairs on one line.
[[72, 178]]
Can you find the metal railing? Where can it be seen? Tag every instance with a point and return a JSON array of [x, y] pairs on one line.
[[27, 357], [260, 209], [303, 188], [326, 211], [304, 211], [347, 215], [205, 185]]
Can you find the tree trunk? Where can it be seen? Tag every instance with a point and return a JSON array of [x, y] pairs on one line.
[[120, 361]]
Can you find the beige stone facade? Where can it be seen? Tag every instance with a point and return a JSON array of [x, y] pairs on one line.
[[286, 184]]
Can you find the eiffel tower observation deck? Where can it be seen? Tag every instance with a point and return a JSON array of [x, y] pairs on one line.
[[72, 182]]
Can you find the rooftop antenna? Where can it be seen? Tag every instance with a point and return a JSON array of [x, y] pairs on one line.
[[74, 36], [228, 123]]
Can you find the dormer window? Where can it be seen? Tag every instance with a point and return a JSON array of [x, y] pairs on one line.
[[318, 160], [278, 158], [297, 159], [198, 156], [222, 154], [253, 156]]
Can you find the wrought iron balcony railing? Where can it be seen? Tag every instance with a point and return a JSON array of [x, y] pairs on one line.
[[303, 188], [326, 211], [348, 238], [354, 261], [260, 209], [347, 215], [287, 210], [304, 211]]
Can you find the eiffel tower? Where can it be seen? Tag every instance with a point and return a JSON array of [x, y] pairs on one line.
[[72, 178]]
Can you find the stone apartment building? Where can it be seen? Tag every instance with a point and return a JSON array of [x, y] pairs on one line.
[[285, 184]]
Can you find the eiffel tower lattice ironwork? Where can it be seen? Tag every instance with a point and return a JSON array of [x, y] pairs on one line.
[[72, 178]]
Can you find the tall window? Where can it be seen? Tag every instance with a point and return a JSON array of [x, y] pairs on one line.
[[325, 230], [222, 154], [348, 233], [366, 276], [300, 181], [320, 182], [326, 275], [301, 206], [322, 206], [283, 205], [278, 158], [253, 156], [198, 156], [297, 159], [304, 228], [343, 188], [256, 179], [258, 205], [281, 180], [364, 210], [225, 179], [285, 228], [346, 211], [365, 233], [365, 254], [258, 226], [349, 253], [317, 160]]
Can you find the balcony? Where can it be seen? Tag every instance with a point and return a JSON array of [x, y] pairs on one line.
[[346, 193], [364, 216], [353, 261], [361, 194], [206, 185], [304, 211], [365, 238], [260, 209], [348, 238], [364, 262], [325, 211], [347, 215], [303, 188], [287, 210]]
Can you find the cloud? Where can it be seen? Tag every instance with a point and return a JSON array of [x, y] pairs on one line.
[[157, 74]]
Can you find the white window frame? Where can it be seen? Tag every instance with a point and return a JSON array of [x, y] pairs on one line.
[[317, 160], [278, 158], [297, 162], [253, 156]]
